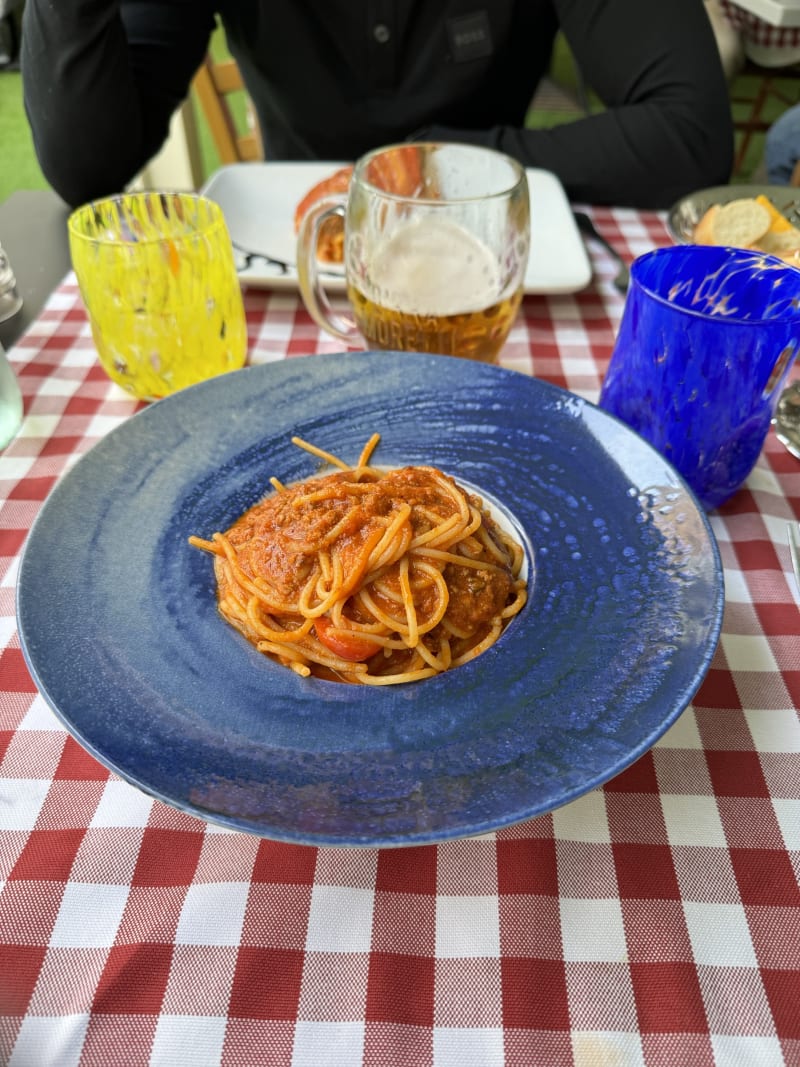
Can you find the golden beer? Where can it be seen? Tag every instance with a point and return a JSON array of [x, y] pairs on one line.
[[475, 335], [434, 287]]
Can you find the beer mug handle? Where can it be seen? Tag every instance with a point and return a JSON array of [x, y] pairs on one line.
[[312, 290]]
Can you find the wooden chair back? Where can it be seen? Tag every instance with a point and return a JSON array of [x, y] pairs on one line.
[[234, 131]]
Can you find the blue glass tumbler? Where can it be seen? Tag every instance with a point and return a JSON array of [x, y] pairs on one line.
[[707, 339]]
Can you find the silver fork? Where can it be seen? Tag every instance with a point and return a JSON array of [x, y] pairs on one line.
[[794, 550], [588, 229]]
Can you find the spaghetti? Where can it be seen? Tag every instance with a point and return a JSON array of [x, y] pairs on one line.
[[368, 576]]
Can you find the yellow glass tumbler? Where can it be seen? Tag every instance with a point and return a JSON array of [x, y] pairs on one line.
[[158, 278]]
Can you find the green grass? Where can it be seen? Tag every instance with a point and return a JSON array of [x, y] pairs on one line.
[[18, 166]]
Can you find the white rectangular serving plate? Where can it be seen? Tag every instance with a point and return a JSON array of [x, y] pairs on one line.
[[259, 201]]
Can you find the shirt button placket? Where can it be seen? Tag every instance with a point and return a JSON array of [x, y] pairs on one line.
[[381, 31]]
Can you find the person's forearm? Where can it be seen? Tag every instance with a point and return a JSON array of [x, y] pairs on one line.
[[639, 160], [80, 97], [98, 100], [643, 157], [666, 126]]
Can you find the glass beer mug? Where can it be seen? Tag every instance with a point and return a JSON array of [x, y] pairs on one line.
[[435, 248]]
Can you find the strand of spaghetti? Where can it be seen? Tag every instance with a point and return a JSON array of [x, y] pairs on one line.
[[269, 597], [269, 632], [324, 587], [408, 604], [354, 578], [395, 625], [340, 491], [235, 604], [439, 663], [428, 513], [421, 576], [474, 524], [467, 542], [420, 581], [394, 542], [320, 542], [301, 653], [337, 574], [476, 519], [404, 675], [386, 588], [241, 579], [277, 485], [476, 650], [233, 608], [436, 576], [455, 631], [212, 547], [492, 546], [324, 560], [383, 639], [333, 534], [397, 679], [439, 533], [457, 497], [327, 592], [445, 652], [392, 553], [334, 461], [515, 552], [318, 653], [341, 585], [309, 590], [470, 547], [368, 449], [452, 557], [512, 609], [339, 619], [238, 620]]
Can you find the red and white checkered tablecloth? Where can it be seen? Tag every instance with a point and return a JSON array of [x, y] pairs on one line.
[[759, 31], [653, 922]]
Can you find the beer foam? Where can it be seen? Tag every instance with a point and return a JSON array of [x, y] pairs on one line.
[[433, 267]]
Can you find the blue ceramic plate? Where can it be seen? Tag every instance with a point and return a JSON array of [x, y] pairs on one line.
[[119, 625]]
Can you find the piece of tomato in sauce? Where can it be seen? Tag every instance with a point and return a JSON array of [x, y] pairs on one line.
[[353, 647]]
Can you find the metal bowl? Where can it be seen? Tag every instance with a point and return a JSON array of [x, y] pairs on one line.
[[687, 212]]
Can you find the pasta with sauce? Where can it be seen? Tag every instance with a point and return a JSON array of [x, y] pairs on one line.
[[368, 576]]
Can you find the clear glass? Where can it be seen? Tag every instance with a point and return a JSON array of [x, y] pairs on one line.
[[436, 241], [707, 339], [157, 276], [10, 300], [10, 401]]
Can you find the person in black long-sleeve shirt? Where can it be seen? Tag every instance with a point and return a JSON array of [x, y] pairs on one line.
[[331, 79]]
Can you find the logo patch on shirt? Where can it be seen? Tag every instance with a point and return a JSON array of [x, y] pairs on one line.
[[470, 37]]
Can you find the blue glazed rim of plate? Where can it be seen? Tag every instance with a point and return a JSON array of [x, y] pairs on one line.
[[119, 627]]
